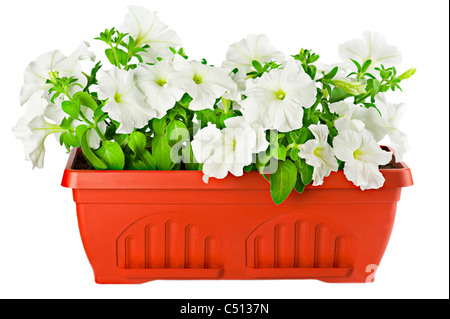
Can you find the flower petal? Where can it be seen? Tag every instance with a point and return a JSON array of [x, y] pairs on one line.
[[146, 28]]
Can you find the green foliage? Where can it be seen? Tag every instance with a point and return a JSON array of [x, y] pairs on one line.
[[122, 49], [259, 70], [282, 182], [307, 58], [165, 143], [112, 155]]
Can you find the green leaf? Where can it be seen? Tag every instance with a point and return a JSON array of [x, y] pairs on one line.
[[65, 124], [294, 153], [122, 56], [159, 126], [137, 142], [112, 155], [161, 151], [299, 186], [249, 168], [282, 182], [99, 115], [304, 133], [176, 132], [358, 66], [88, 153], [313, 58], [307, 174], [185, 100], [278, 151], [207, 116], [224, 117], [366, 65], [338, 94], [86, 100], [71, 107], [257, 66], [110, 55], [131, 44], [71, 140], [331, 74], [80, 130], [148, 159], [189, 159]]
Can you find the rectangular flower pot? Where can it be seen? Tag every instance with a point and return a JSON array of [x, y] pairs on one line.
[[138, 226]]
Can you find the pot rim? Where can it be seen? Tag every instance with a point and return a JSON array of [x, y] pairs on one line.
[[184, 179]]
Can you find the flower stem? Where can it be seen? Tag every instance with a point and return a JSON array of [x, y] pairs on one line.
[[94, 126], [100, 134]]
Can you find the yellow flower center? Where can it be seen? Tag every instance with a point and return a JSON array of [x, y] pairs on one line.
[[318, 152], [280, 95], [357, 153], [197, 79], [161, 82], [117, 97]]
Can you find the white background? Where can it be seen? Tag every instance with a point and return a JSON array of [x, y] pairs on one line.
[[41, 255]]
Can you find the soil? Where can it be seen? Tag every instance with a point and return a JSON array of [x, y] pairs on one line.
[[390, 165], [81, 163]]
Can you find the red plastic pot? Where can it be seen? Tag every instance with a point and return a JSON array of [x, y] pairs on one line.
[[138, 226]]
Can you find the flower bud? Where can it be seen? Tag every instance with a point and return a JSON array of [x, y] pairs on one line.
[[349, 86], [407, 74]]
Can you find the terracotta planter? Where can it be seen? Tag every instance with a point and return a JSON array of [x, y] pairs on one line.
[[138, 226]]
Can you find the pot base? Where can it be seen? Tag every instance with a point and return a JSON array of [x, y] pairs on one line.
[[142, 226]]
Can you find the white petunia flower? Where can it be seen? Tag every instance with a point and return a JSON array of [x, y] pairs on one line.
[[241, 122], [33, 139], [362, 156], [37, 72], [126, 103], [235, 95], [392, 115], [71, 65], [204, 83], [357, 118], [35, 106], [319, 154], [372, 47], [152, 81], [276, 100], [228, 150], [253, 48], [146, 28]]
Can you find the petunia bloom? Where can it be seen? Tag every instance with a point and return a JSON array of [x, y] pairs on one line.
[[204, 83], [372, 47], [319, 154], [33, 136], [276, 99], [147, 29], [37, 72], [228, 150], [35, 106], [126, 104], [358, 117], [392, 114], [152, 81], [362, 156], [253, 48], [241, 122]]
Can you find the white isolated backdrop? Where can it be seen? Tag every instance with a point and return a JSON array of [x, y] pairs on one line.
[[41, 254]]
